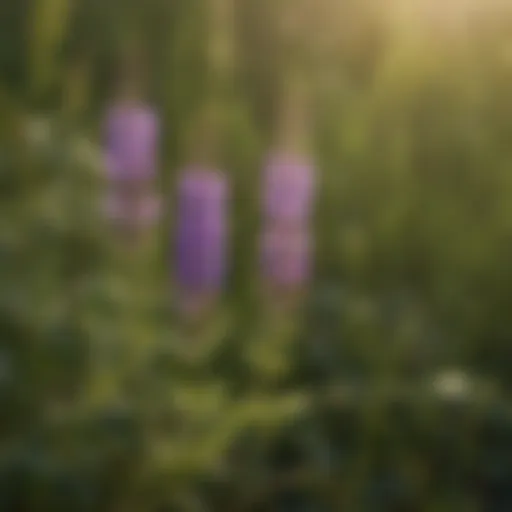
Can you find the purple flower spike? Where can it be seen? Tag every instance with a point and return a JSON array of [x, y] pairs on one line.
[[201, 230], [131, 133], [288, 188], [286, 255], [131, 140]]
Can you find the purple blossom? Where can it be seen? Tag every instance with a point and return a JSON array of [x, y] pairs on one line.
[[202, 230], [288, 188], [131, 140], [286, 254], [131, 133], [288, 196]]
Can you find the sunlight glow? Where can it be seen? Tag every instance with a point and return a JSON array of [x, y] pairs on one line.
[[437, 16]]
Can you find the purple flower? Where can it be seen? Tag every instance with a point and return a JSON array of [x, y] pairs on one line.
[[286, 255], [288, 196], [288, 188], [131, 133], [202, 230]]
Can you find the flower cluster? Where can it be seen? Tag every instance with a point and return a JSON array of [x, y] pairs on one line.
[[201, 231], [286, 240], [131, 137]]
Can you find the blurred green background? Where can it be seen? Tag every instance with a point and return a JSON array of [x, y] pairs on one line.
[[390, 390]]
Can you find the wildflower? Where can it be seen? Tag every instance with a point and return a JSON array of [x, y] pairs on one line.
[[288, 189], [201, 233], [286, 255], [131, 133]]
